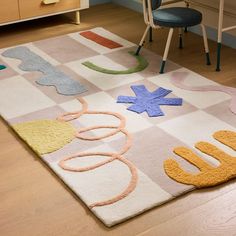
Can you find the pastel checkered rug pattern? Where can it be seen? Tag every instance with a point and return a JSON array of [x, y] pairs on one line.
[[115, 162]]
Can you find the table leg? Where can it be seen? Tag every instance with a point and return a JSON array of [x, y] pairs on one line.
[[219, 40], [77, 17]]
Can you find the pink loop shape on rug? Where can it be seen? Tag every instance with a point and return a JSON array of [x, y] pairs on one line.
[[110, 156], [178, 78], [117, 128]]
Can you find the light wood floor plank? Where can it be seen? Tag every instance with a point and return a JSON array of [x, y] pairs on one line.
[[217, 217]]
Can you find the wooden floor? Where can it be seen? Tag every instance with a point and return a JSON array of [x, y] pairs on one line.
[[33, 201]]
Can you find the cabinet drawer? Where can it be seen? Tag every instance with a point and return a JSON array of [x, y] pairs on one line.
[[9, 11], [33, 8]]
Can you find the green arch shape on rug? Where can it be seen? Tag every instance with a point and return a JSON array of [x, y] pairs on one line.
[[142, 64]]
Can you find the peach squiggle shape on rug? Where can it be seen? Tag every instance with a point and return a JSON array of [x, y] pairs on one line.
[[178, 80], [111, 156]]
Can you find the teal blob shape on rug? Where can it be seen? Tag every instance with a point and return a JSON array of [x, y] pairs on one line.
[[2, 67], [142, 64], [52, 75]]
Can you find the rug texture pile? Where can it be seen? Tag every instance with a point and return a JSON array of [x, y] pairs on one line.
[[122, 137]]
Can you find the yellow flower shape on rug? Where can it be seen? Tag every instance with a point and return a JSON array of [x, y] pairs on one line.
[[208, 175], [45, 136]]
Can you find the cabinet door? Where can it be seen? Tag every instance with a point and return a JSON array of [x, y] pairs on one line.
[[9, 11], [33, 8]]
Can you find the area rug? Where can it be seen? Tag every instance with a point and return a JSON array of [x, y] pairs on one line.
[[122, 137]]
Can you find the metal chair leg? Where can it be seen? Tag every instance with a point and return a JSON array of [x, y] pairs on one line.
[[208, 62], [180, 38], [166, 50], [142, 40], [219, 40], [150, 35], [187, 3], [218, 56]]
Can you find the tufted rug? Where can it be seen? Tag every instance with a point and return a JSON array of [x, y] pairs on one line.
[[122, 137]]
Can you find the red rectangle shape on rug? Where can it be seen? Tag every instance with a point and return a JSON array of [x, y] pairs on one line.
[[100, 40]]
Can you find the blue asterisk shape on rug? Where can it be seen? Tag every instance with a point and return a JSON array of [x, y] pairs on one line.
[[149, 102]]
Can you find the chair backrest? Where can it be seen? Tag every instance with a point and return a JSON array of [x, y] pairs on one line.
[[147, 10], [156, 4]]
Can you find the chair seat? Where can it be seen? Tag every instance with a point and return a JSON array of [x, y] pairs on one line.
[[177, 17]]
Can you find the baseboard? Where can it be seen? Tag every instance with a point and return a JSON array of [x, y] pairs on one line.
[[228, 39], [96, 2], [131, 4]]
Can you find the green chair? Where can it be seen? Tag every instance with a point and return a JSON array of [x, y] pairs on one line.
[[171, 17]]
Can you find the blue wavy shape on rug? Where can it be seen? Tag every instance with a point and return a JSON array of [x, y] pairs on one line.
[[149, 102], [52, 76], [2, 67]]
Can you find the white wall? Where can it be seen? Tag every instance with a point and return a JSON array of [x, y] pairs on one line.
[[209, 10], [230, 5]]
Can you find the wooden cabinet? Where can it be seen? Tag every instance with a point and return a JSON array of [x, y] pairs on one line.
[[20, 10], [32, 8], [9, 11]]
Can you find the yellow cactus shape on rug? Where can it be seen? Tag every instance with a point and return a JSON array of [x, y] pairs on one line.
[[208, 175], [45, 136], [226, 137]]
